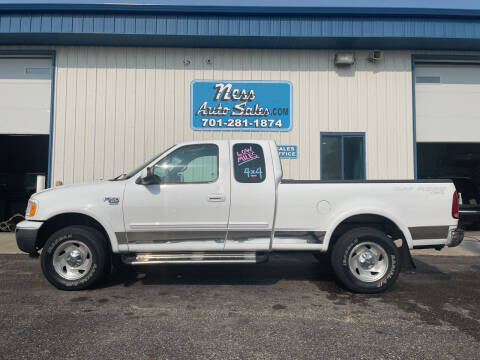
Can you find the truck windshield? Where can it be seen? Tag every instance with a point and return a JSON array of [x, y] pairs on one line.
[[139, 168]]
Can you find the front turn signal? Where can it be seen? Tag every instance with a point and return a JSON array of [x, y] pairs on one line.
[[31, 208]]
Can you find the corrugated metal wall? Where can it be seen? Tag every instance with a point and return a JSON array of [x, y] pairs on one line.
[[117, 106]]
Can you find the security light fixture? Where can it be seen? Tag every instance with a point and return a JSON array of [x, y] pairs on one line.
[[344, 59]]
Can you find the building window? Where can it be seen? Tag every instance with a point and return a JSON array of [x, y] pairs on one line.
[[342, 156]]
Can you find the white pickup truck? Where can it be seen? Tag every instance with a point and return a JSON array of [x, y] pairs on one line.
[[226, 202]]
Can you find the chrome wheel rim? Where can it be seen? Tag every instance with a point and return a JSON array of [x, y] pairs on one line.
[[72, 260], [368, 261]]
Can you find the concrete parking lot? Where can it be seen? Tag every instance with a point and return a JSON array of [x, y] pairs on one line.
[[287, 308]]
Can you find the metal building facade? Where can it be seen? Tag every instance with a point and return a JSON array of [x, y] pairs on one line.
[[115, 107], [122, 75]]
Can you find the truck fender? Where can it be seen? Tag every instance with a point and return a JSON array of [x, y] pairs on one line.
[[102, 221], [370, 211]]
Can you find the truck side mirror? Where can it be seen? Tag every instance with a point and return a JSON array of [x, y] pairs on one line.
[[148, 179]]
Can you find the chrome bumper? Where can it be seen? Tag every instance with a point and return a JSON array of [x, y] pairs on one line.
[[455, 237]]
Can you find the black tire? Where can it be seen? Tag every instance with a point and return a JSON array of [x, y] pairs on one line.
[[341, 256], [96, 244]]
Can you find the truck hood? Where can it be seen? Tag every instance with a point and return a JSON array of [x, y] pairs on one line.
[[89, 198], [60, 189]]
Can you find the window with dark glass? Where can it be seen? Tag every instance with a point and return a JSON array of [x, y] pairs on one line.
[[248, 163], [343, 156], [189, 164]]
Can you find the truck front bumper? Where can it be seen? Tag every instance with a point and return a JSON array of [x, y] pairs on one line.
[[26, 235], [455, 237]]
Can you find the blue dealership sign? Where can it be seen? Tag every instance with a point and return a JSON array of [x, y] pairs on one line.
[[241, 105], [287, 151]]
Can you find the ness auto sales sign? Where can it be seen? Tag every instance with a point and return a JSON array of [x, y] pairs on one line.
[[241, 105]]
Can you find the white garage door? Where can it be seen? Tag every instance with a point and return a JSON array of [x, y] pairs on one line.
[[447, 102], [25, 95]]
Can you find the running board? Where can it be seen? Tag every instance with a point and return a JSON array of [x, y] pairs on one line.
[[195, 258]]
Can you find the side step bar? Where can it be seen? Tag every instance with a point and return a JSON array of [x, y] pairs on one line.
[[195, 258]]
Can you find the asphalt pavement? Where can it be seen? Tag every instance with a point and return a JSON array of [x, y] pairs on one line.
[[287, 308]]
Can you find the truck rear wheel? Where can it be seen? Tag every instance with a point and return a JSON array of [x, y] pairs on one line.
[[366, 260], [74, 258]]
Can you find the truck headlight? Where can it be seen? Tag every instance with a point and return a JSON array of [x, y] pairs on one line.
[[32, 208]]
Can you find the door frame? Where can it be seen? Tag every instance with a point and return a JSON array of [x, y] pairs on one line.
[[44, 54], [435, 59]]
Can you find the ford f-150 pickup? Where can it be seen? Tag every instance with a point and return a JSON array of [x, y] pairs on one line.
[[226, 202]]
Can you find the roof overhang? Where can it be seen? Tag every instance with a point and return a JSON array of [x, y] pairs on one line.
[[96, 24], [423, 8]]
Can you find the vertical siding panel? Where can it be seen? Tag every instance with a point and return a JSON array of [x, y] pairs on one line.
[[405, 116], [80, 115], [407, 105], [60, 102], [392, 103], [285, 138], [178, 82], [120, 110], [361, 92], [303, 112], [322, 99], [293, 65], [372, 145], [169, 134], [332, 95], [90, 114], [313, 115], [381, 120], [111, 120], [363, 114], [139, 115], [100, 121], [130, 110], [189, 76], [178, 100], [70, 115], [160, 105], [150, 93]]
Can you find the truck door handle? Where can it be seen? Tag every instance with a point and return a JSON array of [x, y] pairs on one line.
[[216, 197]]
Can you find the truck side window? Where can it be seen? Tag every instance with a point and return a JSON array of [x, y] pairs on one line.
[[189, 164], [248, 163]]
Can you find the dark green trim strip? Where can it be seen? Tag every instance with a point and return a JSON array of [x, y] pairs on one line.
[[313, 237], [428, 232], [158, 237]]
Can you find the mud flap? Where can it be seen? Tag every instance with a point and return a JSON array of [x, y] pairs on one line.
[[407, 261]]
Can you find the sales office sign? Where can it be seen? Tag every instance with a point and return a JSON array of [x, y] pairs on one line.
[[219, 105]]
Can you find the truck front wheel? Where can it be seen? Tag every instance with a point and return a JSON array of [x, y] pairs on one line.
[[74, 258], [366, 260]]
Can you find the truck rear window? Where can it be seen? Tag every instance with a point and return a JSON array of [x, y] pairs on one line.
[[248, 163]]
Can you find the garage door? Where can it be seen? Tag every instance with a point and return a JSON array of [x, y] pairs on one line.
[[447, 102], [25, 95]]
